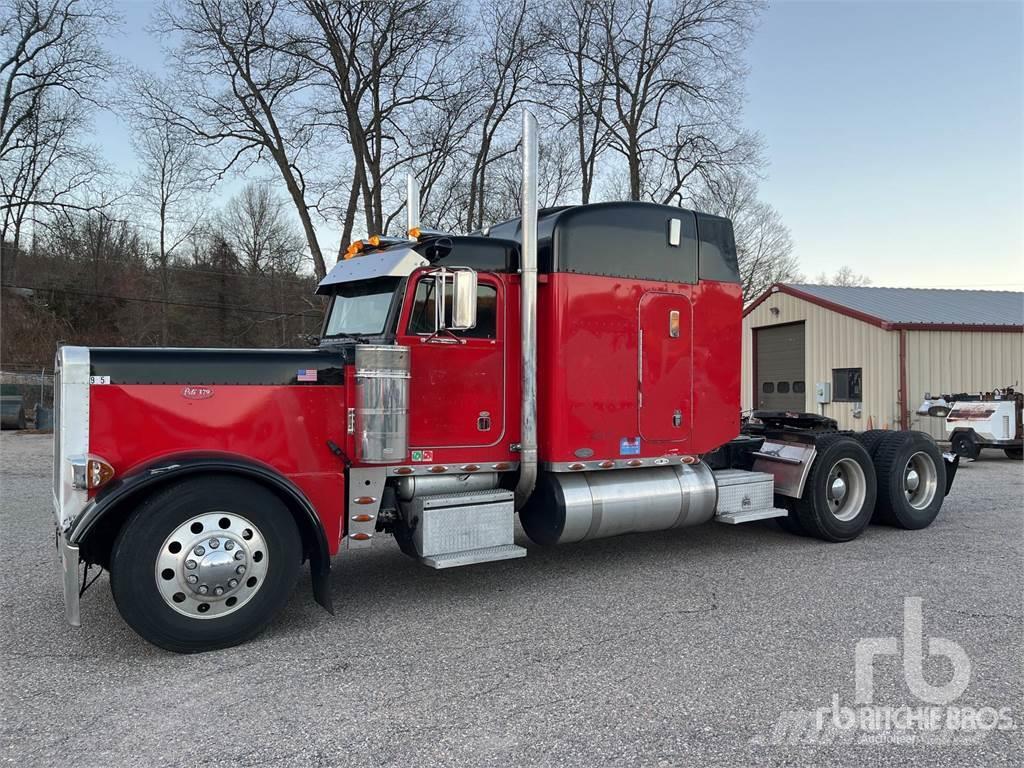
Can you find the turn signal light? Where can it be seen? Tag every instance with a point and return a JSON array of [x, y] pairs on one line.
[[91, 473]]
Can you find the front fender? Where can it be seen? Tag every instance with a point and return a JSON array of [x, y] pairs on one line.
[[115, 498]]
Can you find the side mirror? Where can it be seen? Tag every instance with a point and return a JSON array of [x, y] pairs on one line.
[[462, 295], [464, 300]]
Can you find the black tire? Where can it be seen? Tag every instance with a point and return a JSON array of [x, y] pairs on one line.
[[1016, 452], [964, 445], [133, 580], [403, 535], [871, 439], [819, 513], [790, 523], [897, 504]]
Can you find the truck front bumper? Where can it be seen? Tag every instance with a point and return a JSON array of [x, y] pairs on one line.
[[67, 555]]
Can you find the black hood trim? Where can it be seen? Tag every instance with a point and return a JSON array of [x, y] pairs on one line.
[[161, 365]]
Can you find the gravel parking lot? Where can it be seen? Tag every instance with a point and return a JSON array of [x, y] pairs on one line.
[[670, 649]]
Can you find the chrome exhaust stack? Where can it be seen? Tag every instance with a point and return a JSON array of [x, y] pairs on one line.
[[412, 204], [528, 316]]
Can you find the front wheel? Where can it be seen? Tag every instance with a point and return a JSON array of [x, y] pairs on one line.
[[205, 563], [1016, 452]]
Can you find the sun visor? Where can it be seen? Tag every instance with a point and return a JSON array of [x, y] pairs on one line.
[[394, 262]]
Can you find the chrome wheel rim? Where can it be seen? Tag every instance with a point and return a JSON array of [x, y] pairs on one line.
[[845, 489], [211, 565], [920, 480]]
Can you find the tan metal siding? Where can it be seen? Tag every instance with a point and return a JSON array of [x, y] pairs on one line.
[[832, 340], [959, 361]]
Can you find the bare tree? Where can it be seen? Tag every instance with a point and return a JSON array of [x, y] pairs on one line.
[[577, 81], [388, 67], [844, 276], [504, 71], [764, 246], [52, 65], [255, 226], [240, 88], [673, 70], [171, 183], [47, 47]]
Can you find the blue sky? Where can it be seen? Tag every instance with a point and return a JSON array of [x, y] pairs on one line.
[[893, 133]]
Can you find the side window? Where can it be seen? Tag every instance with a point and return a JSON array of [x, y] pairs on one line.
[[421, 319], [768, 388], [846, 385], [783, 388]]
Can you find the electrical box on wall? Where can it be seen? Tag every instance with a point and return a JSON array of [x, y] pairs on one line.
[[823, 392]]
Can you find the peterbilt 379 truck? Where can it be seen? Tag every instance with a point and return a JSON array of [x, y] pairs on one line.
[[578, 366]]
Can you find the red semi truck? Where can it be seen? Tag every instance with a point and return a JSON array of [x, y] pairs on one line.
[[579, 366]]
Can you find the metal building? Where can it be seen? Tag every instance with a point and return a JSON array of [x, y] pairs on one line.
[[866, 356]]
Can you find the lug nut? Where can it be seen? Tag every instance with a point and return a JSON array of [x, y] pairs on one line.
[[203, 589], [233, 583], [191, 578], [218, 591], [239, 555], [240, 570], [229, 545], [213, 543], [190, 564], [199, 551]]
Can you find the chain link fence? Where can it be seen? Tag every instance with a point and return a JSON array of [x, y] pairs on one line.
[[26, 397]]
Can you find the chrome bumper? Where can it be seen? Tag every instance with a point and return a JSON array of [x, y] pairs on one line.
[[69, 562]]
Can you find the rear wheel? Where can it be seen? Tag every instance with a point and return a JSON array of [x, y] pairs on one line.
[[205, 563], [964, 445], [911, 480], [789, 523], [871, 439], [839, 495], [1014, 453]]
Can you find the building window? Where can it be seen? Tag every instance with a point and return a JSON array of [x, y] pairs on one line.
[[846, 385], [783, 388], [768, 388], [798, 387]]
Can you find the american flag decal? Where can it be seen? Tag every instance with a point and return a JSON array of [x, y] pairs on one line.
[[307, 374]]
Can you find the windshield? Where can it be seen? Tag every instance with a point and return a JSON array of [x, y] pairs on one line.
[[361, 308]]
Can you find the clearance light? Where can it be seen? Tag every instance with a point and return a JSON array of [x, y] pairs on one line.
[[415, 233], [91, 472], [374, 240], [353, 249]]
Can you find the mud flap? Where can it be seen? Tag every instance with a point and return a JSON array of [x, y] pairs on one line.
[[952, 464], [320, 570]]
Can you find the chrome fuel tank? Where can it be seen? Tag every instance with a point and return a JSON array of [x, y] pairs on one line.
[[576, 506]]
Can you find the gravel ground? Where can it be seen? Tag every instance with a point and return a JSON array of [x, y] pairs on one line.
[[680, 648]]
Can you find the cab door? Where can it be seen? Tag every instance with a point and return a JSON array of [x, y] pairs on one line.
[[665, 346], [456, 391]]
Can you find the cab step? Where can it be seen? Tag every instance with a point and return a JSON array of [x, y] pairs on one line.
[[465, 528], [485, 555], [735, 518]]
